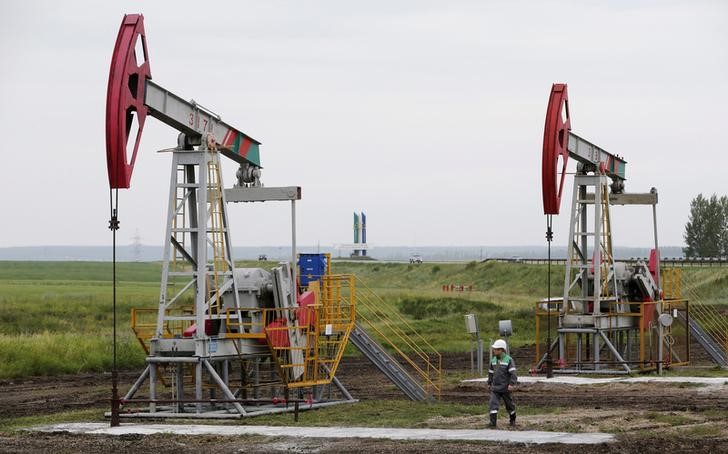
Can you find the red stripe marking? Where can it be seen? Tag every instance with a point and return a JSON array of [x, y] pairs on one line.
[[226, 140], [244, 147]]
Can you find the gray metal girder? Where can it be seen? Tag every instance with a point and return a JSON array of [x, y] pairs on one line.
[[192, 119], [648, 198], [587, 153], [262, 194]]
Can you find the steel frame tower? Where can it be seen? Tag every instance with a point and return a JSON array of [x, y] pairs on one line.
[[584, 294], [197, 217]]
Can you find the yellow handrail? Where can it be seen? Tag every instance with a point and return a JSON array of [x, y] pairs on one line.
[[384, 315]]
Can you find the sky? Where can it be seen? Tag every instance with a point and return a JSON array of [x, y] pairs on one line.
[[428, 116]]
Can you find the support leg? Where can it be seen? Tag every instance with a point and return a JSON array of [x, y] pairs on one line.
[[198, 386], [342, 389], [179, 386], [139, 382], [256, 379], [578, 351], [223, 387], [614, 351], [152, 387]]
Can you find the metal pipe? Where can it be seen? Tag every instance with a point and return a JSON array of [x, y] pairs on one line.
[[139, 382], [212, 401], [596, 355], [616, 362], [160, 414], [198, 384], [657, 247], [342, 389], [223, 386], [294, 291], [152, 385], [661, 341], [578, 348], [615, 352], [338, 384], [179, 385], [172, 359], [588, 371], [231, 415]]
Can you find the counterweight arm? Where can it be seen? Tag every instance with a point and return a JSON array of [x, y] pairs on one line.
[[560, 144], [194, 120], [131, 96]]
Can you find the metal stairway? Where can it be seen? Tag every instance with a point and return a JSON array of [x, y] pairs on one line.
[[707, 324], [706, 341], [386, 364]]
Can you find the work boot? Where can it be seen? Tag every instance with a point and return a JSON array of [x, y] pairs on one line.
[[493, 419], [513, 420]]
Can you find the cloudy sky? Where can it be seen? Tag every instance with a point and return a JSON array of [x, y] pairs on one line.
[[426, 115]]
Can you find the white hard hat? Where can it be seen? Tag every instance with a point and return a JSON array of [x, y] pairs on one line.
[[500, 343]]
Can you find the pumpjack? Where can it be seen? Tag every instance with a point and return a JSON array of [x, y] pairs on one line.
[[224, 341], [612, 317]]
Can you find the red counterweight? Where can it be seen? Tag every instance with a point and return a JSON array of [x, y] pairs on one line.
[[125, 99], [555, 142]]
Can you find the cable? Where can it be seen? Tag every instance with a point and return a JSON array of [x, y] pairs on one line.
[[114, 226], [549, 238]]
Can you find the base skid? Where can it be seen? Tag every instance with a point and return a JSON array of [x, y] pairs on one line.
[[212, 413]]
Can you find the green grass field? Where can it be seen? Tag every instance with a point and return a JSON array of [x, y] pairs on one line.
[[55, 317]]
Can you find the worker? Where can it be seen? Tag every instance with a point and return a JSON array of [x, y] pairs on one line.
[[501, 380]]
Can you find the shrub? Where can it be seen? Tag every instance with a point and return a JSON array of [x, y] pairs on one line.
[[420, 308]]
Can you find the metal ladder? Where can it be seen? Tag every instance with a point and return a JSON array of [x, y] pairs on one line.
[[220, 264], [386, 364], [578, 262]]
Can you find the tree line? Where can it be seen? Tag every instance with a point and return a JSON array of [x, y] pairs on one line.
[[706, 232]]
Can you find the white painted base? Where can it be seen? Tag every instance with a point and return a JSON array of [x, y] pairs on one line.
[[525, 436], [571, 380]]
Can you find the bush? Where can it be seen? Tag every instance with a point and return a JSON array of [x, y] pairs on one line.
[[420, 308]]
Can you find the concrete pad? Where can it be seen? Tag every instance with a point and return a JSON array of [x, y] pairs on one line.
[[513, 436], [571, 380], [558, 379]]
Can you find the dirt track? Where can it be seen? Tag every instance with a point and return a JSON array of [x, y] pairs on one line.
[[632, 409]]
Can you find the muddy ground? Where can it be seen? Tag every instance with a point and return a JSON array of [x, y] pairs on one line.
[[646, 417]]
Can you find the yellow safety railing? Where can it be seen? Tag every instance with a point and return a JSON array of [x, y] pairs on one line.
[[306, 343], [713, 322], [144, 324], [251, 326], [412, 350], [676, 351], [677, 335], [677, 348]]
